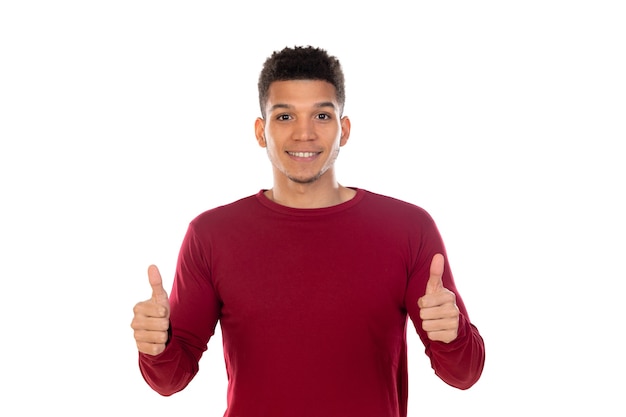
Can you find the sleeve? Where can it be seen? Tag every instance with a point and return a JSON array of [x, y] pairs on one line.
[[460, 362], [194, 312]]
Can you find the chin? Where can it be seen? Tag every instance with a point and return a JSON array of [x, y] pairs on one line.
[[305, 180]]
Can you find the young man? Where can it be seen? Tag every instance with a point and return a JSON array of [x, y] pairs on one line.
[[312, 282]]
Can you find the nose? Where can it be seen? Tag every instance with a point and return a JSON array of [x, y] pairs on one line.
[[304, 130]]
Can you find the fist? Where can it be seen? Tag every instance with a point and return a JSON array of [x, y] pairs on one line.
[[438, 309], [151, 320]]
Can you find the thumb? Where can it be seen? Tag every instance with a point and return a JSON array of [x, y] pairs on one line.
[[435, 280], [159, 294]]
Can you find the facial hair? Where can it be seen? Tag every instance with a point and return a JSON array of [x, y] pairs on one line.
[[330, 163]]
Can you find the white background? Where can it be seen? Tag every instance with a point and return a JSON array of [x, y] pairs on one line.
[[122, 120]]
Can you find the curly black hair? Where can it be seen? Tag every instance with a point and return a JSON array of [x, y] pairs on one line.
[[301, 63]]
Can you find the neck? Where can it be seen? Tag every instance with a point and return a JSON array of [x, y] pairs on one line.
[[317, 194]]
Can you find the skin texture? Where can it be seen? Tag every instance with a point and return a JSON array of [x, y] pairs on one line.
[[303, 116], [302, 133], [438, 309], [151, 318]]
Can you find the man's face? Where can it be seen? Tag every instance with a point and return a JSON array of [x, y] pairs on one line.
[[303, 129]]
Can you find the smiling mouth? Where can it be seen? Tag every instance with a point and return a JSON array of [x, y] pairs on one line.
[[303, 154]]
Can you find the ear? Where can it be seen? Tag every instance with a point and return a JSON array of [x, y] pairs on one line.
[[259, 132], [345, 130]]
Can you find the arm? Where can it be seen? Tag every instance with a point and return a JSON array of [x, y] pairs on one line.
[[453, 344], [194, 312]]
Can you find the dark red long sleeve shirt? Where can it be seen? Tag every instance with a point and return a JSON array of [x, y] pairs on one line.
[[313, 305]]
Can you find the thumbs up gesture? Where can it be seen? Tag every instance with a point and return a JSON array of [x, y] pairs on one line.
[[438, 309], [151, 319]]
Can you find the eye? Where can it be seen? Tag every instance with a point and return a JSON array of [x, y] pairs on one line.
[[324, 116], [283, 117]]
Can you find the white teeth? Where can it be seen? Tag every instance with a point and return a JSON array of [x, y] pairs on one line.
[[302, 154]]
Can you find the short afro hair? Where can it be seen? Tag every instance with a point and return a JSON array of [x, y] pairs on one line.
[[301, 63]]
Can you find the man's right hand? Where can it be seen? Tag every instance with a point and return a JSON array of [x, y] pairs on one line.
[[151, 319]]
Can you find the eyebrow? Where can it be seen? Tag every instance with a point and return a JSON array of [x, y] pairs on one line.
[[289, 106]]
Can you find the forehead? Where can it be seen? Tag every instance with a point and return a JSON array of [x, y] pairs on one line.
[[301, 93]]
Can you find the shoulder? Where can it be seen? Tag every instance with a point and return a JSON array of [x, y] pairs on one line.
[[396, 217], [226, 213], [391, 205]]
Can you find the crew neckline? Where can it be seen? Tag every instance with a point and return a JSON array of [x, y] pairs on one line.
[[272, 205]]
